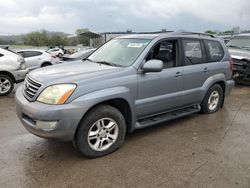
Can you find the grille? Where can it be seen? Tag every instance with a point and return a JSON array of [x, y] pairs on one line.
[[31, 87]]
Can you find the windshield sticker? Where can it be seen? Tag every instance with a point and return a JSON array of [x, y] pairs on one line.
[[135, 45]]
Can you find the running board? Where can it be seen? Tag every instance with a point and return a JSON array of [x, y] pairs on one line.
[[142, 123]]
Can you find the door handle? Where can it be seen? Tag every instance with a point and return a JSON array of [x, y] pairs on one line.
[[205, 70], [178, 74]]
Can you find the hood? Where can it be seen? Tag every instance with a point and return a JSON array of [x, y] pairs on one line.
[[239, 53], [71, 72]]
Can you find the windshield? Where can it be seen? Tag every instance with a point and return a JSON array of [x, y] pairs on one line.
[[120, 52], [240, 42]]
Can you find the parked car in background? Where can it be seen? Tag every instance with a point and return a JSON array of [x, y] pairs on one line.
[[12, 70], [129, 83], [239, 48], [56, 52], [82, 54], [37, 58]]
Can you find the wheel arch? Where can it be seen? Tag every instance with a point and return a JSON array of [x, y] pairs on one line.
[[120, 104], [45, 63], [8, 74]]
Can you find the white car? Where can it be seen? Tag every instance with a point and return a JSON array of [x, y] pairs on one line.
[[56, 52], [37, 58], [12, 70]]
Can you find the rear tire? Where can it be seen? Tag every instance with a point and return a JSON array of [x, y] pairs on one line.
[[102, 131], [213, 100], [6, 85]]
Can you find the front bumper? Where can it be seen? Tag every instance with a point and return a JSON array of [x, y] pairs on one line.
[[67, 116]]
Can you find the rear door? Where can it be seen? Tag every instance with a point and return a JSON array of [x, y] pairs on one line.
[[195, 70], [201, 62], [161, 91], [32, 59]]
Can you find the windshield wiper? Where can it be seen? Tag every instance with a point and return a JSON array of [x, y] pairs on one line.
[[107, 63], [233, 46], [246, 47]]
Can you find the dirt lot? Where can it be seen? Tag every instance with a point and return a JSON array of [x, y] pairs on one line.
[[196, 151]]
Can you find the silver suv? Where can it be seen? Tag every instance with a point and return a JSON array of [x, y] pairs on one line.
[[129, 83], [12, 70], [239, 48]]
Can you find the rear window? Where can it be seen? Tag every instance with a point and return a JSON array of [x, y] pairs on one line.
[[26, 54], [215, 50]]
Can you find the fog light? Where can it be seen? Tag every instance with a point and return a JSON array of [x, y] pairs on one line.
[[46, 125]]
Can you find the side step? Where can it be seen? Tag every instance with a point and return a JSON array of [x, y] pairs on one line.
[[142, 123]]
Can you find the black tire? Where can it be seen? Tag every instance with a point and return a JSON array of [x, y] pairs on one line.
[[10, 84], [46, 64], [81, 141], [205, 109]]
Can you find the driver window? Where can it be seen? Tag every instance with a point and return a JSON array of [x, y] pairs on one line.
[[166, 52]]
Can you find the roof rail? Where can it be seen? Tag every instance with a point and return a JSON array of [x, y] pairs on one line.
[[196, 33]]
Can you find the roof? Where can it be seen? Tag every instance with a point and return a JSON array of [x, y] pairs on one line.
[[22, 50], [170, 34], [90, 34]]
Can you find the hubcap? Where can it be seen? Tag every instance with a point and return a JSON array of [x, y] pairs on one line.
[[213, 100], [5, 85], [103, 134]]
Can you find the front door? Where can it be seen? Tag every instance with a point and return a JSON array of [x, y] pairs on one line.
[[161, 91]]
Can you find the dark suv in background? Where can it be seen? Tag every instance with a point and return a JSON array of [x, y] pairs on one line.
[[129, 83]]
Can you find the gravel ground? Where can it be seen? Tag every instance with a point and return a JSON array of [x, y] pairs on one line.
[[195, 151]]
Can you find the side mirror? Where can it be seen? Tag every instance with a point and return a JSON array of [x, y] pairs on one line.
[[153, 65]]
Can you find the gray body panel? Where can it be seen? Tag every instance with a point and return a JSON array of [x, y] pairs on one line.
[[146, 93]]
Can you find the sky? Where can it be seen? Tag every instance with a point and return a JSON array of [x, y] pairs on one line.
[[23, 16]]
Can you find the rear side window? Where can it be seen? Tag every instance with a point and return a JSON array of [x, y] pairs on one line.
[[1, 55], [26, 54], [192, 51], [215, 50]]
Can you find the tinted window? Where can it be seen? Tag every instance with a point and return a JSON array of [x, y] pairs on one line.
[[215, 51], [192, 52], [166, 51], [26, 54]]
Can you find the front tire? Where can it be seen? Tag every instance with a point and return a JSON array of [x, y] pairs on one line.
[[6, 85], [213, 100], [102, 131]]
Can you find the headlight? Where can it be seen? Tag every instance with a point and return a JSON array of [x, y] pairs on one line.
[[56, 94]]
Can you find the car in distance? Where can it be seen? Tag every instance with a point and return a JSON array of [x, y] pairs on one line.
[[129, 83], [239, 48], [58, 52], [12, 70], [82, 54], [37, 58]]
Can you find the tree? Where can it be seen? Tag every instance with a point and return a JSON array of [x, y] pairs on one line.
[[56, 40], [210, 32], [36, 39]]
